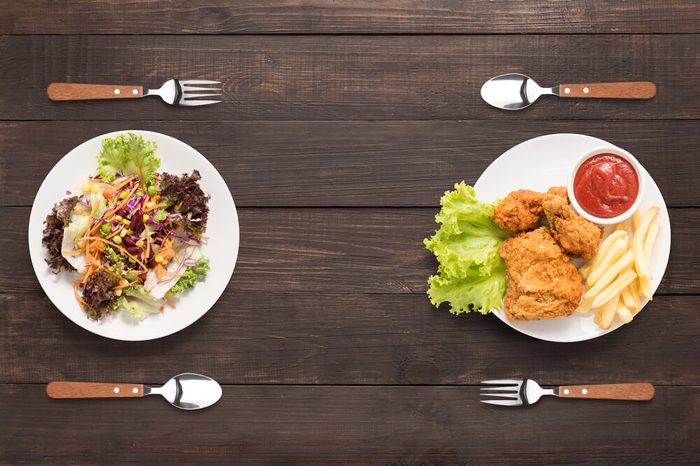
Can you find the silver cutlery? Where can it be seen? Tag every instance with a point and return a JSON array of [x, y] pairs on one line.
[[515, 91], [524, 392], [186, 92], [185, 391]]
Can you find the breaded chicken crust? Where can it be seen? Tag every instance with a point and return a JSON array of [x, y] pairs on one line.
[[520, 210], [576, 235], [543, 283]]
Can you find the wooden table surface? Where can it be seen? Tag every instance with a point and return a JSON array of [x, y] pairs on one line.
[[343, 124]]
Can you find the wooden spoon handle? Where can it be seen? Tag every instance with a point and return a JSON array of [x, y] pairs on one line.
[[632, 90], [93, 390], [71, 91], [620, 391]]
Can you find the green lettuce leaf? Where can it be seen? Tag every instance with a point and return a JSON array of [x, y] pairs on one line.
[[190, 277], [128, 154], [137, 302], [471, 273]]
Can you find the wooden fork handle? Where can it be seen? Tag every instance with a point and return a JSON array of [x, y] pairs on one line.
[[93, 390], [620, 391], [631, 90], [73, 91]]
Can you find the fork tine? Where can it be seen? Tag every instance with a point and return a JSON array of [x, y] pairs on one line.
[[187, 95], [502, 395], [187, 88], [195, 103], [502, 382], [502, 402], [186, 82], [511, 388]]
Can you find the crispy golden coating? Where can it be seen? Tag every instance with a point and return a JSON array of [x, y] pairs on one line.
[[543, 283], [559, 191], [575, 234], [520, 210]]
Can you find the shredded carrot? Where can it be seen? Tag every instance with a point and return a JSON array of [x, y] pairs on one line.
[[148, 242], [73, 252], [157, 206], [170, 300], [77, 295], [160, 271]]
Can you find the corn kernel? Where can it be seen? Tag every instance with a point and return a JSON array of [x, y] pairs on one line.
[[123, 232], [159, 258], [157, 197], [96, 189], [87, 187], [139, 243], [123, 282], [150, 205], [118, 292], [118, 218], [145, 218], [126, 221], [123, 194]]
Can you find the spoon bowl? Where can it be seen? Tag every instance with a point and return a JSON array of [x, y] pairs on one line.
[[514, 91], [188, 391]]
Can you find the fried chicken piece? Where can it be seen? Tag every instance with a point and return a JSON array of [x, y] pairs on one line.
[[576, 235], [520, 210], [559, 191], [543, 283]]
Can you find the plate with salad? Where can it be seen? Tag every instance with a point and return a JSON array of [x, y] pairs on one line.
[[133, 235]]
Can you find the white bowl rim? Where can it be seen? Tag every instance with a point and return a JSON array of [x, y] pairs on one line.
[[637, 169]]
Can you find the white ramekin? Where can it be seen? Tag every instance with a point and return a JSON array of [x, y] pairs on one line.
[[626, 214]]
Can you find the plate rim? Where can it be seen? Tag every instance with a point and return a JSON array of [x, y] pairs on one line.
[[31, 237]]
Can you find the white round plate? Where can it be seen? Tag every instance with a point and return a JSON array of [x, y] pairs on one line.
[[539, 164], [222, 248]]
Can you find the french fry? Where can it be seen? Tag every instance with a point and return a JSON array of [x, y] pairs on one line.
[[620, 226], [640, 261], [585, 306], [585, 269], [651, 239], [645, 288], [598, 315], [624, 263], [616, 250], [608, 312], [636, 217], [615, 288], [624, 313], [626, 297], [634, 292], [605, 246]]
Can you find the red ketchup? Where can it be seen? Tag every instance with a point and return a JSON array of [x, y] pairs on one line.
[[606, 185]]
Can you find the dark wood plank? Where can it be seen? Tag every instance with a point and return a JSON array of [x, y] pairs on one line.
[[326, 338], [349, 77], [331, 17], [404, 163], [363, 425], [339, 250]]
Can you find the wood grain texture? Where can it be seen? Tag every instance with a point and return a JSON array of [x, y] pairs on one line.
[[349, 77], [61, 389], [340, 251], [336, 425], [628, 90], [398, 163], [78, 91], [332, 17], [619, 391], [321, 337]]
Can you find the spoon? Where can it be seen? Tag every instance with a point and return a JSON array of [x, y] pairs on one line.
[[515, 91], [185, 391]]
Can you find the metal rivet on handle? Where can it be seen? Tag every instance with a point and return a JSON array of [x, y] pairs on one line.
[[116, 389], [566, 391], [586, 90], [135, 390], [135, 91], [117, 91], [567, 90], [584, 391]]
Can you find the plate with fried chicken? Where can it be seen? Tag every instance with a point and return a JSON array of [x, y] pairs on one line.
[[564, 237]]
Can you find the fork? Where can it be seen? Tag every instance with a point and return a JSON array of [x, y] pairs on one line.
[[524, 392], [174, 91]]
